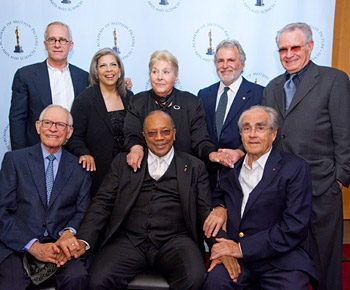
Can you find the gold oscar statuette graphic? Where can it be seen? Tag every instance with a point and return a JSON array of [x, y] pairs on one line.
[[115, 47], [163, 2], [18, 47], [210, 50]]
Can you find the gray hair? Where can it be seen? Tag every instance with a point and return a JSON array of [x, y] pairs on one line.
[[162, 113], [305, 28], [43, 112], [58, 23], [93, 76], [273, 117], [231, 43], [164, 55]]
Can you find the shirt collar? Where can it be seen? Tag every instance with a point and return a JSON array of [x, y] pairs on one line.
[[167, 157], [234, 86], [260, 162], [52, 69], [58, 154]]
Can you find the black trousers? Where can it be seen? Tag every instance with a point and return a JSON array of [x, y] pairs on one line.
[[117, 262], [71, 276]]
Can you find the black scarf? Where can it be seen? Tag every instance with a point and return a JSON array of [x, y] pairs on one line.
[[163, 102]]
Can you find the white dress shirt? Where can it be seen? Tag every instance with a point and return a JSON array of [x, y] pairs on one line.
[[250, 177], [164, 165], [231, 94], [61, 85]]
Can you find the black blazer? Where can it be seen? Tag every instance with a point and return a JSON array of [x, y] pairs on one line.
[[188, 115], [93, 133], [121, 187], [31, 93]]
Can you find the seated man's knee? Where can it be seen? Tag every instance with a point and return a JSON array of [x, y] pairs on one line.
[[218, 278]]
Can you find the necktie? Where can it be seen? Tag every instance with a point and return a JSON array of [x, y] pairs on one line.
[[289, 89], [157, 171], [49, 177], [220, 111]]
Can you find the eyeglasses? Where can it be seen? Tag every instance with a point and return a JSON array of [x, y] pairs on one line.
[[47, 124], [293, 49], [52, 40], [163, 133], [258, 130]]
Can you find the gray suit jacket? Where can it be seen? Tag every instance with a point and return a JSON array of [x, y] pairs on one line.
[[316, 126]]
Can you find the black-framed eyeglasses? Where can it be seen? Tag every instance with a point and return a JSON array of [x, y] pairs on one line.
[[47, 124], [52, 40], [294, 49], [163, 133]]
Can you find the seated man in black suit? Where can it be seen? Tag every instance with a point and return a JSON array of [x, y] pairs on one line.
[[44, 193], [268, 198], [154, 216]]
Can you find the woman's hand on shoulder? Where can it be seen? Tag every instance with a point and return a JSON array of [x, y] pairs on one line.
[[88, 162]]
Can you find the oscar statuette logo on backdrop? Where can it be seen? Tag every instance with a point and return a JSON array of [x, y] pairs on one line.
[[117, 36], [18, 40], [164, 5], [66, 5], [205, 39], [259, 6]]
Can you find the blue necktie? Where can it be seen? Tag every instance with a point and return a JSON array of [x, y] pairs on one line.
[[49, 177], [220, 111], [289, 89]]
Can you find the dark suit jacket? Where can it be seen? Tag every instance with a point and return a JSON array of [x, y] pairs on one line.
[[249, 94], [93, 132], [121, 187], [189, 118], [277, 215], [24, 214], [31, 93], [316, 126]]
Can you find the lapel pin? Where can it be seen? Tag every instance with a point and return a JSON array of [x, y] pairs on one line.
[[243, 98], [274, 169], [185, 169], [176, 107]]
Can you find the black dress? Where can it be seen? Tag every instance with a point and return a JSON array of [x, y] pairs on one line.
[[96, 132]]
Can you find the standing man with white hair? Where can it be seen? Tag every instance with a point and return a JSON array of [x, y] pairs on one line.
[[313, 104]]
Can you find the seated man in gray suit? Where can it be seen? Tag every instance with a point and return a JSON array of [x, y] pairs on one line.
[[154, 216], [44, 193]]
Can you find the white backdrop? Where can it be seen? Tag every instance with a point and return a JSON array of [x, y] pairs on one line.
[[143, 26]]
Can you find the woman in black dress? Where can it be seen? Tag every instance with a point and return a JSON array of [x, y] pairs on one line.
[[99, 114]]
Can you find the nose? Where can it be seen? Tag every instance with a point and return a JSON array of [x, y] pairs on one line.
[[252, 133], [289, 53], [225, 64], [159, 136]]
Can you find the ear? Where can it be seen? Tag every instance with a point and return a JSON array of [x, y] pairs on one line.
[[274, 134], [37, 126], [69, 134], [71, 45]]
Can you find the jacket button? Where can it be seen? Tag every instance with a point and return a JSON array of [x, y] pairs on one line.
[[241, 235]]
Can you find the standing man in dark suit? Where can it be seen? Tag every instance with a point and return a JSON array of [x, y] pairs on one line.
[[313, 103], [36, 86], [44, 194], [154, 215], [268, 196], [237, 94]]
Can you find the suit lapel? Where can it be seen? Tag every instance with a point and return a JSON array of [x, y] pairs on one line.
[[100, 107], [211, 97], [184, 177], [36, 165], [279, 96], [41, 78], [308, 82], [64, 172], [272, 167], [241, 98]]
